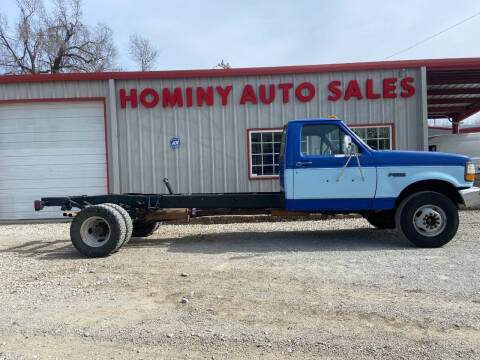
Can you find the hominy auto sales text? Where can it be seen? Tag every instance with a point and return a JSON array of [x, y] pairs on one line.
[[389, 88]]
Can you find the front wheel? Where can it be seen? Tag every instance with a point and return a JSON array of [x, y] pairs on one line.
[[427, 219]]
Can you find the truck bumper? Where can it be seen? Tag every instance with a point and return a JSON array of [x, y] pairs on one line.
[[471, 197]]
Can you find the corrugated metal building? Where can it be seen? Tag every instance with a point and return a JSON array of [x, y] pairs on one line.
[[206, 130]]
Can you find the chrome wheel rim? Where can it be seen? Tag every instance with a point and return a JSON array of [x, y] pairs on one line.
[[429, 220], [95, 231]]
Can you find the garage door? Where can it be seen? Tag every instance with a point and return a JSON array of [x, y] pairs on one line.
[[49, 149]]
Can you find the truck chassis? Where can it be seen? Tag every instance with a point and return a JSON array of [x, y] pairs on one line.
[[104, 223]]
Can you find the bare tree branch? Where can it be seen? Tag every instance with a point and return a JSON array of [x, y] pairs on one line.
[[142, 51], [223, 65], [57, 41]]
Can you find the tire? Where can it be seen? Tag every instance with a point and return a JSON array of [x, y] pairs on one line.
[[128, 222], [427, 219], [141, 229], [384, 219], [97, 230]]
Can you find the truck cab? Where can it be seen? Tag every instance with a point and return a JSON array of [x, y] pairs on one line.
[[326, 167]]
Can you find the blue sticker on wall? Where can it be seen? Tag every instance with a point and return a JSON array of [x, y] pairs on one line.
[[174, 142]]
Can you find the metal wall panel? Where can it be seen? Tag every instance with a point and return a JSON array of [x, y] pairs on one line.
[[57, 89], [212, 156]]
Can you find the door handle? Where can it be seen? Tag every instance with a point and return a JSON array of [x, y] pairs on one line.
[[301, 163]]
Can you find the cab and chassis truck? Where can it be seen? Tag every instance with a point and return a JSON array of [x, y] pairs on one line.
[[324, 167]]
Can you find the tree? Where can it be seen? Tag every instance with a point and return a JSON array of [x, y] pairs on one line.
[[142, 51], [54, 42], [223, 65]]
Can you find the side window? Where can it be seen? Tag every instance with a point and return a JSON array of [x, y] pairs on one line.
[[378, 137], [323, 140], [264, 151]]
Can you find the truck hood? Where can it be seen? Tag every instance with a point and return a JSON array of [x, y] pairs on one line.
[[418, 158]]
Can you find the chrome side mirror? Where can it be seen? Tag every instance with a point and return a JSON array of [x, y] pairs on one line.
[[347, 145]]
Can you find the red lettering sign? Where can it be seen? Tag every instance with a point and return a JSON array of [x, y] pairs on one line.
[[353, 90], [132, 98], [248, 95], [189, 96], [388, 88], [205, 96], [409, 89], [147, 94], [299, 93], [286, 94], [263, 95], [224, 93], [370, 93], [333, 87], [172, 99]]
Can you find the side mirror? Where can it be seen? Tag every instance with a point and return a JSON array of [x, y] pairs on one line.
[[347, 144]]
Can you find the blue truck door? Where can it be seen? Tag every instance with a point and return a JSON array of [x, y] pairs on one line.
[[321, 181]]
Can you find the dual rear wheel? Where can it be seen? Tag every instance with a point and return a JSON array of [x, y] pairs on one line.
[[100, 230]]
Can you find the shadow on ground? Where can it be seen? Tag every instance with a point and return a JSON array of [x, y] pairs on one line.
[[363, 239], [58, 249]]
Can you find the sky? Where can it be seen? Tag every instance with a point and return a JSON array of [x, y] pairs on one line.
[[250, 33]]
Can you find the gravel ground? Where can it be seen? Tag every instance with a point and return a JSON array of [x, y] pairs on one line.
[[335, 289]]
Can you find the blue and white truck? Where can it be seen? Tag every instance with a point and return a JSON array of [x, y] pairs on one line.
[[324, 168]]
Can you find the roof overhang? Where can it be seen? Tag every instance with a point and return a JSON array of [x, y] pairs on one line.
[[453, 93]]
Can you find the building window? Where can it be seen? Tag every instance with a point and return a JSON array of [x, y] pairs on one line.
[[264, 150], [378, 137]]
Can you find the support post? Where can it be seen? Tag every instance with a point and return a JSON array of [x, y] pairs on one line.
[[113, 140], [455, 125], [423, 133]]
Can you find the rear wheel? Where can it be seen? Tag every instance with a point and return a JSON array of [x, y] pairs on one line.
[[428, 219], [128, 222], [143, 229], [97, 230], [384, 219]]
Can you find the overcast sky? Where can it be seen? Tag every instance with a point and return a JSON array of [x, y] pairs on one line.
[[198, 34], [250, 33]]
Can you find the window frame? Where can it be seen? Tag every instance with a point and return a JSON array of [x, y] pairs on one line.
[[338, 128], [392, 130], [249, 153]]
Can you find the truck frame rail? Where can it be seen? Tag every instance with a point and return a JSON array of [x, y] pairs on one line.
[[255, 200]]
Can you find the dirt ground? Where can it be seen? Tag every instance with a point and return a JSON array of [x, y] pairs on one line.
[[334, 289]]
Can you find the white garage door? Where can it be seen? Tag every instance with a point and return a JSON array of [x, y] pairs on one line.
[[49, 149]]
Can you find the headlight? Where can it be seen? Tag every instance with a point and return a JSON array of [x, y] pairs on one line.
[[469, 171]]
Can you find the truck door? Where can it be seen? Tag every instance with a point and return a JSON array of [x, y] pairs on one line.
[[327, 175]]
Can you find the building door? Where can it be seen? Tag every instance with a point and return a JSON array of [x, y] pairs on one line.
[[321, 179], [50, 149]]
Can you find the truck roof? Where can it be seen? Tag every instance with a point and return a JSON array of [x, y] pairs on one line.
[[318, 119]]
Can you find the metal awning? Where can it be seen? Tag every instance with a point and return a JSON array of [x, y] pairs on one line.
[[453, 92]]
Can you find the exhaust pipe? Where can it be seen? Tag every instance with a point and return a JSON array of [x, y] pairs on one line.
[[167, 184]]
